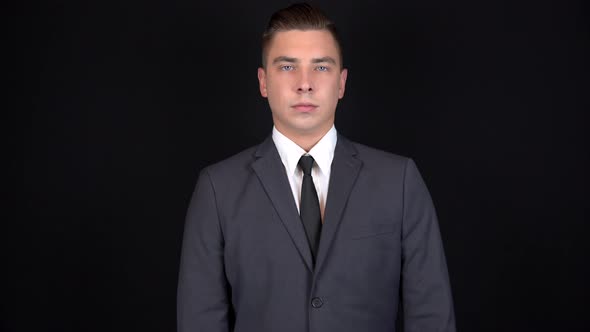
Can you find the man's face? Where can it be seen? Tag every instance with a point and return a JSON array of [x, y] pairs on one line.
[[302, 81]]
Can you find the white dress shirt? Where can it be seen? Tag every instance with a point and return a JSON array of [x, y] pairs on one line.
[[322, 153]]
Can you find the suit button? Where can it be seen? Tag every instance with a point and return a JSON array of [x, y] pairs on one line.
[[316, 302]]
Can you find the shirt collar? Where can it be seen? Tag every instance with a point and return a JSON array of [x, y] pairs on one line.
[[290, 152]]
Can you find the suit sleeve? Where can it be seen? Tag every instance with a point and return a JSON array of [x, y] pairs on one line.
[[426, 291], [203, 300]]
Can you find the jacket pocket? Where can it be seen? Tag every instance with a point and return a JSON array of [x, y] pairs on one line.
[[370, 231]]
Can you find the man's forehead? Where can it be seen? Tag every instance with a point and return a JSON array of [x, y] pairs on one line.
[[303, 46], [304, 39]]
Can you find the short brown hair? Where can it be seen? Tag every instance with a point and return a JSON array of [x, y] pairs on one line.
[[299, 16]]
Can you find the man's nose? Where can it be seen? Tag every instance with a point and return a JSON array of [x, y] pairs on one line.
[[304, 84]]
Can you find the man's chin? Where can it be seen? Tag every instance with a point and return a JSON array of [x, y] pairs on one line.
[[310, 130]]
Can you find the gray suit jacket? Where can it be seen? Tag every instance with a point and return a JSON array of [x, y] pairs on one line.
[[246, 265]]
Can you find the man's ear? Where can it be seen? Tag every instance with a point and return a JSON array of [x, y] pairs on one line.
[[343, 76], [262, 81]]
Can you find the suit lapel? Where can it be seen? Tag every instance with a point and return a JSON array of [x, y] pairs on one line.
[[345, 169], [271, 173]]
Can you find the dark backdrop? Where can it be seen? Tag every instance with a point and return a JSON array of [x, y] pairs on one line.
[[123, 103]]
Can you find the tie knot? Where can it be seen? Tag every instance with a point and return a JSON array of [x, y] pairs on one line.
[[306, 163]]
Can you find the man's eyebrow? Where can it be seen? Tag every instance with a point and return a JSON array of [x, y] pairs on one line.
[[324, 59], [283, 58]]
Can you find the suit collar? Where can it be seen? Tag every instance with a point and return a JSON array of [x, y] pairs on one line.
[[345, 170], [271, 173]]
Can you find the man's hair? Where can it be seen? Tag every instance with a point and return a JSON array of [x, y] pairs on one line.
[[299, 16]]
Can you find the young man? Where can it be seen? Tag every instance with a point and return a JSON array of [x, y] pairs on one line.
[[309, 231]]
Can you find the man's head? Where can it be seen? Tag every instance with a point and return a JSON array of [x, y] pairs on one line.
[[301, 16], [302, 73]]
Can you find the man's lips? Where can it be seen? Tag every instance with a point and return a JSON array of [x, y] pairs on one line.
[[304, 107]]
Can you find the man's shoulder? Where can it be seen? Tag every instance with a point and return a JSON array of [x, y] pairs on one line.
[[234, 163], [376, 156], [382, 165]]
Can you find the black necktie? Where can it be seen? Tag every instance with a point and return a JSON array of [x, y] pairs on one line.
[[309, 209]]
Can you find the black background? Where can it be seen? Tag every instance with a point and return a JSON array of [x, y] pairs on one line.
[[124, 102]]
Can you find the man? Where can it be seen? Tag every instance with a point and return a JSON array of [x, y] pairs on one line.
[[309, 231]]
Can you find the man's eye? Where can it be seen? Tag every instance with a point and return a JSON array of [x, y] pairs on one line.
[[322, 68], [287, 67]]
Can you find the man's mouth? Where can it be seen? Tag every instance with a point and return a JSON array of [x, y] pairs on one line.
[[304, 107]]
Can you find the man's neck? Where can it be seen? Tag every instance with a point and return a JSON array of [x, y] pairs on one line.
[[306, 142]]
